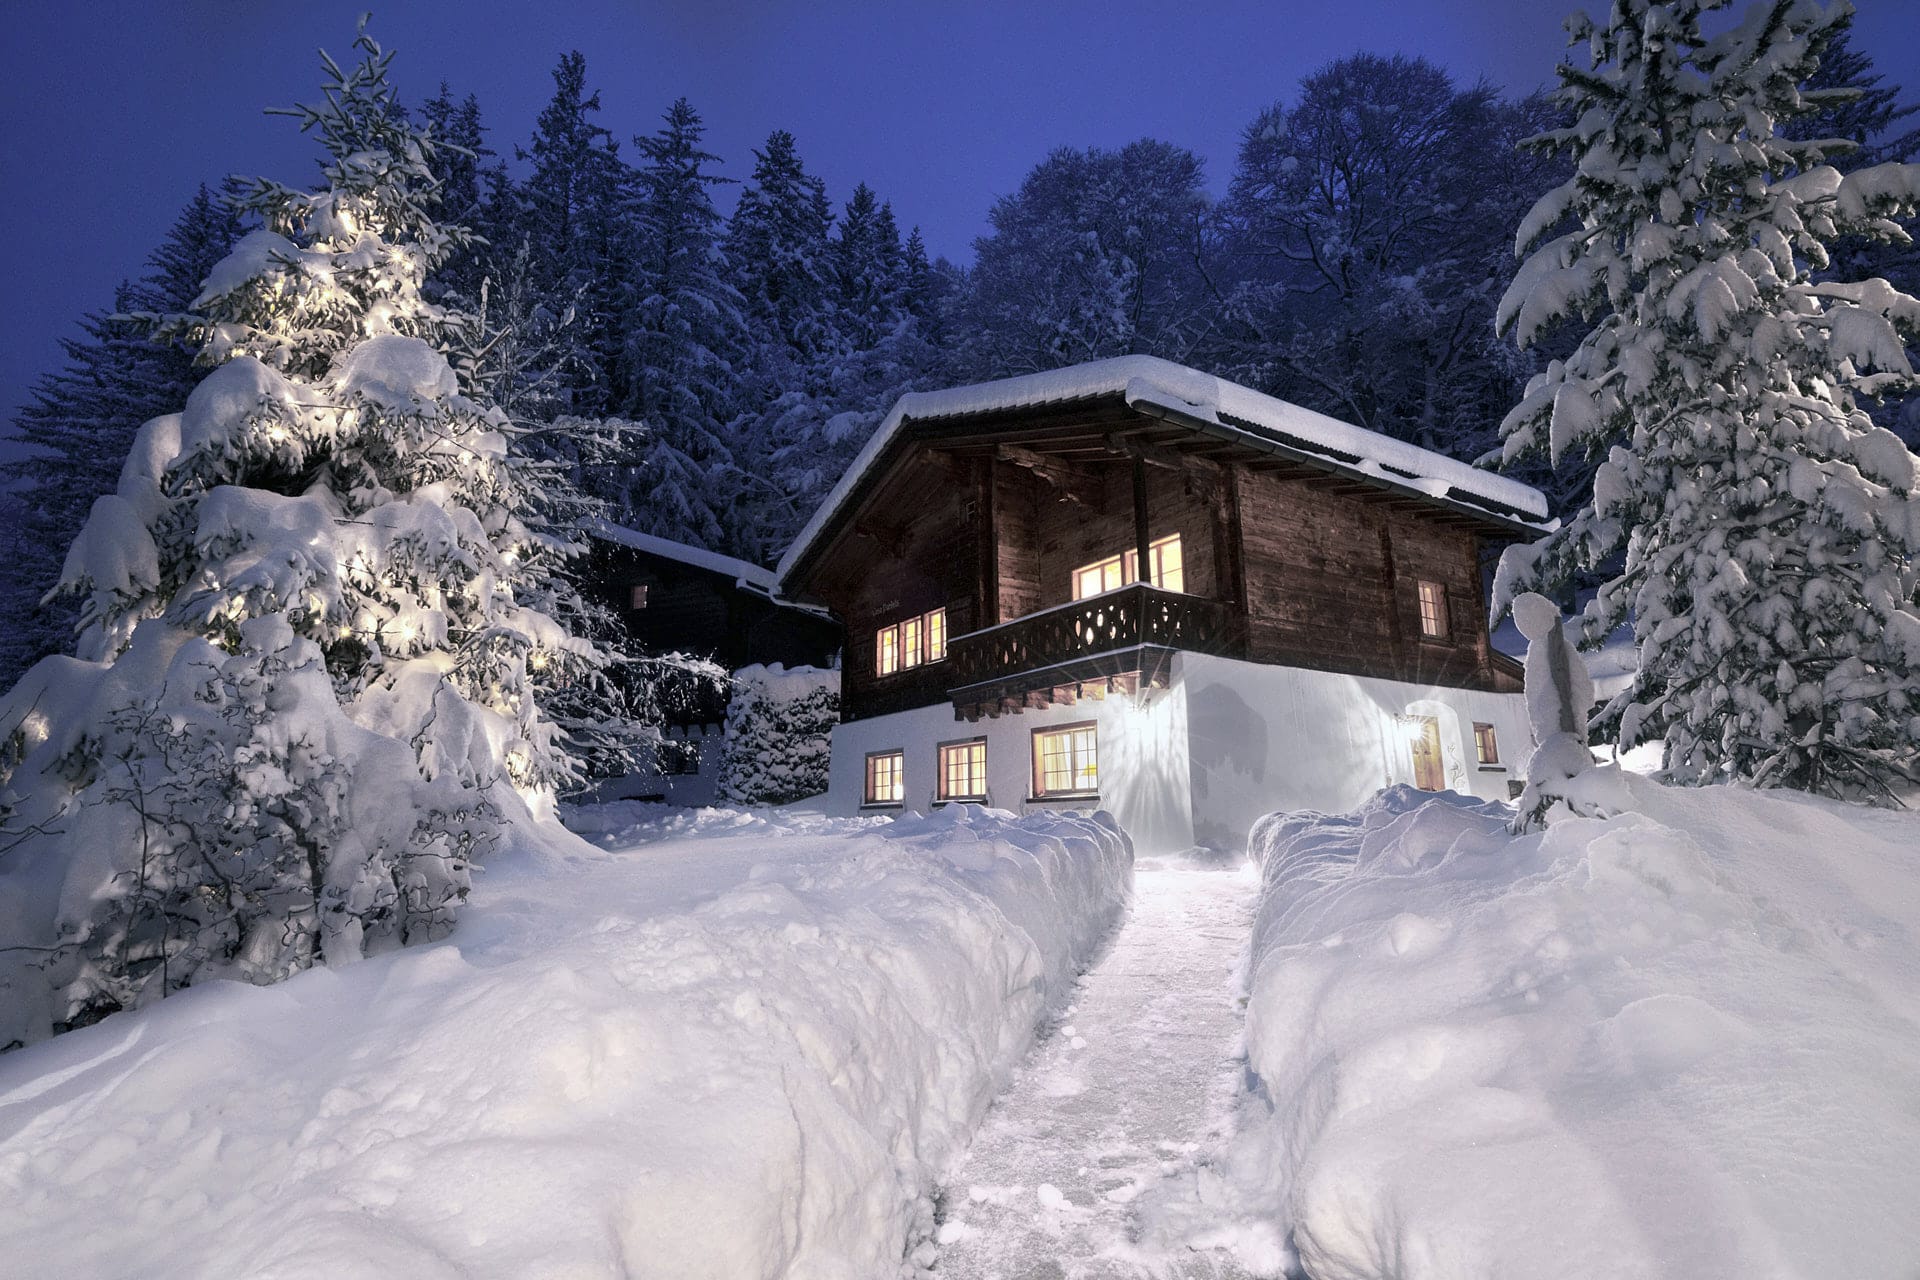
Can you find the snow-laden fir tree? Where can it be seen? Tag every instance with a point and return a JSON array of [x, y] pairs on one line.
[[319, 622], [778, 256], [1769, 530], [684, 338], [563, 252], [81, 423]]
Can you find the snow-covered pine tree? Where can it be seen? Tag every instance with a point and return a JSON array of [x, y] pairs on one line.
[[869, 270], [685, 336], [317, 622], [566, 250], [778, 257], [1769, 529], [468, 197], [1868, 113], [81, 422]]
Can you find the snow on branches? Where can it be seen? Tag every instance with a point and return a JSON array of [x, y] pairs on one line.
[[779, 730], [1765, 531], [322, 614]]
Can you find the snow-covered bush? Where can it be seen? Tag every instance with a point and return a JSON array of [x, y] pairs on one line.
[[1770, 532], [779, 729], [319, 613]]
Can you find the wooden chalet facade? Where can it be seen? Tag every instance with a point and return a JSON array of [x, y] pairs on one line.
[[984, 554]]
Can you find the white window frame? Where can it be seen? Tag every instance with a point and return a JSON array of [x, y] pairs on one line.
[[1432, 600], [973, 765], [912, 642], [1082, 757], [1165, 557], [898, 788]]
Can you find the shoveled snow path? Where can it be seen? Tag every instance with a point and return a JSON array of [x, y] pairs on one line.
[[1138, 1078]]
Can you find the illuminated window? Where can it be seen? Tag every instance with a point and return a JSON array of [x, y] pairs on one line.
[[638, 600], [1163, 558], [910, 643], [937, 635], [1484, 742], [1065, 761], [1433, 610], [963, 770], [886, 777], [911, 633]]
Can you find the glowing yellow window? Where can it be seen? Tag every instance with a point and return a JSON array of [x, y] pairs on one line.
[[963, 770], [1066, 761], [886, 651], [886, 777], [1433, 610], [937, 635], [912, 631], [1164, 558]]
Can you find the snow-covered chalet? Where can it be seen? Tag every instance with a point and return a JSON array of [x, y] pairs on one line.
[[1133, 585]]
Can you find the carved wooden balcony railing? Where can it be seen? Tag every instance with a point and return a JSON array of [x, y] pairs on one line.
[[1116, 621]]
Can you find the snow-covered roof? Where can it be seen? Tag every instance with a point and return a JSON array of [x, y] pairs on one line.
[[1226, 407], [744, 574]]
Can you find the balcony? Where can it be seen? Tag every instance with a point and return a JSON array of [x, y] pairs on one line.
[[1119, 641]]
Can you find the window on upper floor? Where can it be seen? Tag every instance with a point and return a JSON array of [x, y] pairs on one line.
[[919, 639], [637, 597], [1433, 611], [1164, 560], [886, 777]]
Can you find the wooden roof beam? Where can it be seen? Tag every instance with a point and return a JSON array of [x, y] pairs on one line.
[[1160, 456], [1071, 483]]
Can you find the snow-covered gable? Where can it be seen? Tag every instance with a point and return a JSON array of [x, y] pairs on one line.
[[1149, 383], [750, 577]]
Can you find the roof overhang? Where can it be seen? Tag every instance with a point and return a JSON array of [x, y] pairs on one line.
[[1149, 404]]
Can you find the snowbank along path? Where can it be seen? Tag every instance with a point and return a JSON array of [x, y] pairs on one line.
[[1138, 1076], [733, 1047]]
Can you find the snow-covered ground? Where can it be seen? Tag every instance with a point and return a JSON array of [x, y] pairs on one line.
[[727, 1047], [1680, 1041]]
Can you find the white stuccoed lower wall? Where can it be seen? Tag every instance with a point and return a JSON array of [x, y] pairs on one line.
[[1197, 763], [1266, 738], [1143, 766]]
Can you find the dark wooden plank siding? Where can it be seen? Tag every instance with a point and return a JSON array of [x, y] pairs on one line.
[[1068, 536], [1332, 583]]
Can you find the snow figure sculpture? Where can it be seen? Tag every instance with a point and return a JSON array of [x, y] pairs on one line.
[[1559, 695], [1767, 532]]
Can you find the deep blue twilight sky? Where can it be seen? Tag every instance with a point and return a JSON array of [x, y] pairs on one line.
[[112, 110]]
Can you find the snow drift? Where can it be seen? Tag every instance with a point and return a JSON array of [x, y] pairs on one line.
[[734, 1055], [1681, 1041]]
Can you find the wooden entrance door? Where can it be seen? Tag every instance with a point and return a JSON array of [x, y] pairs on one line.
[[1427, 773]]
